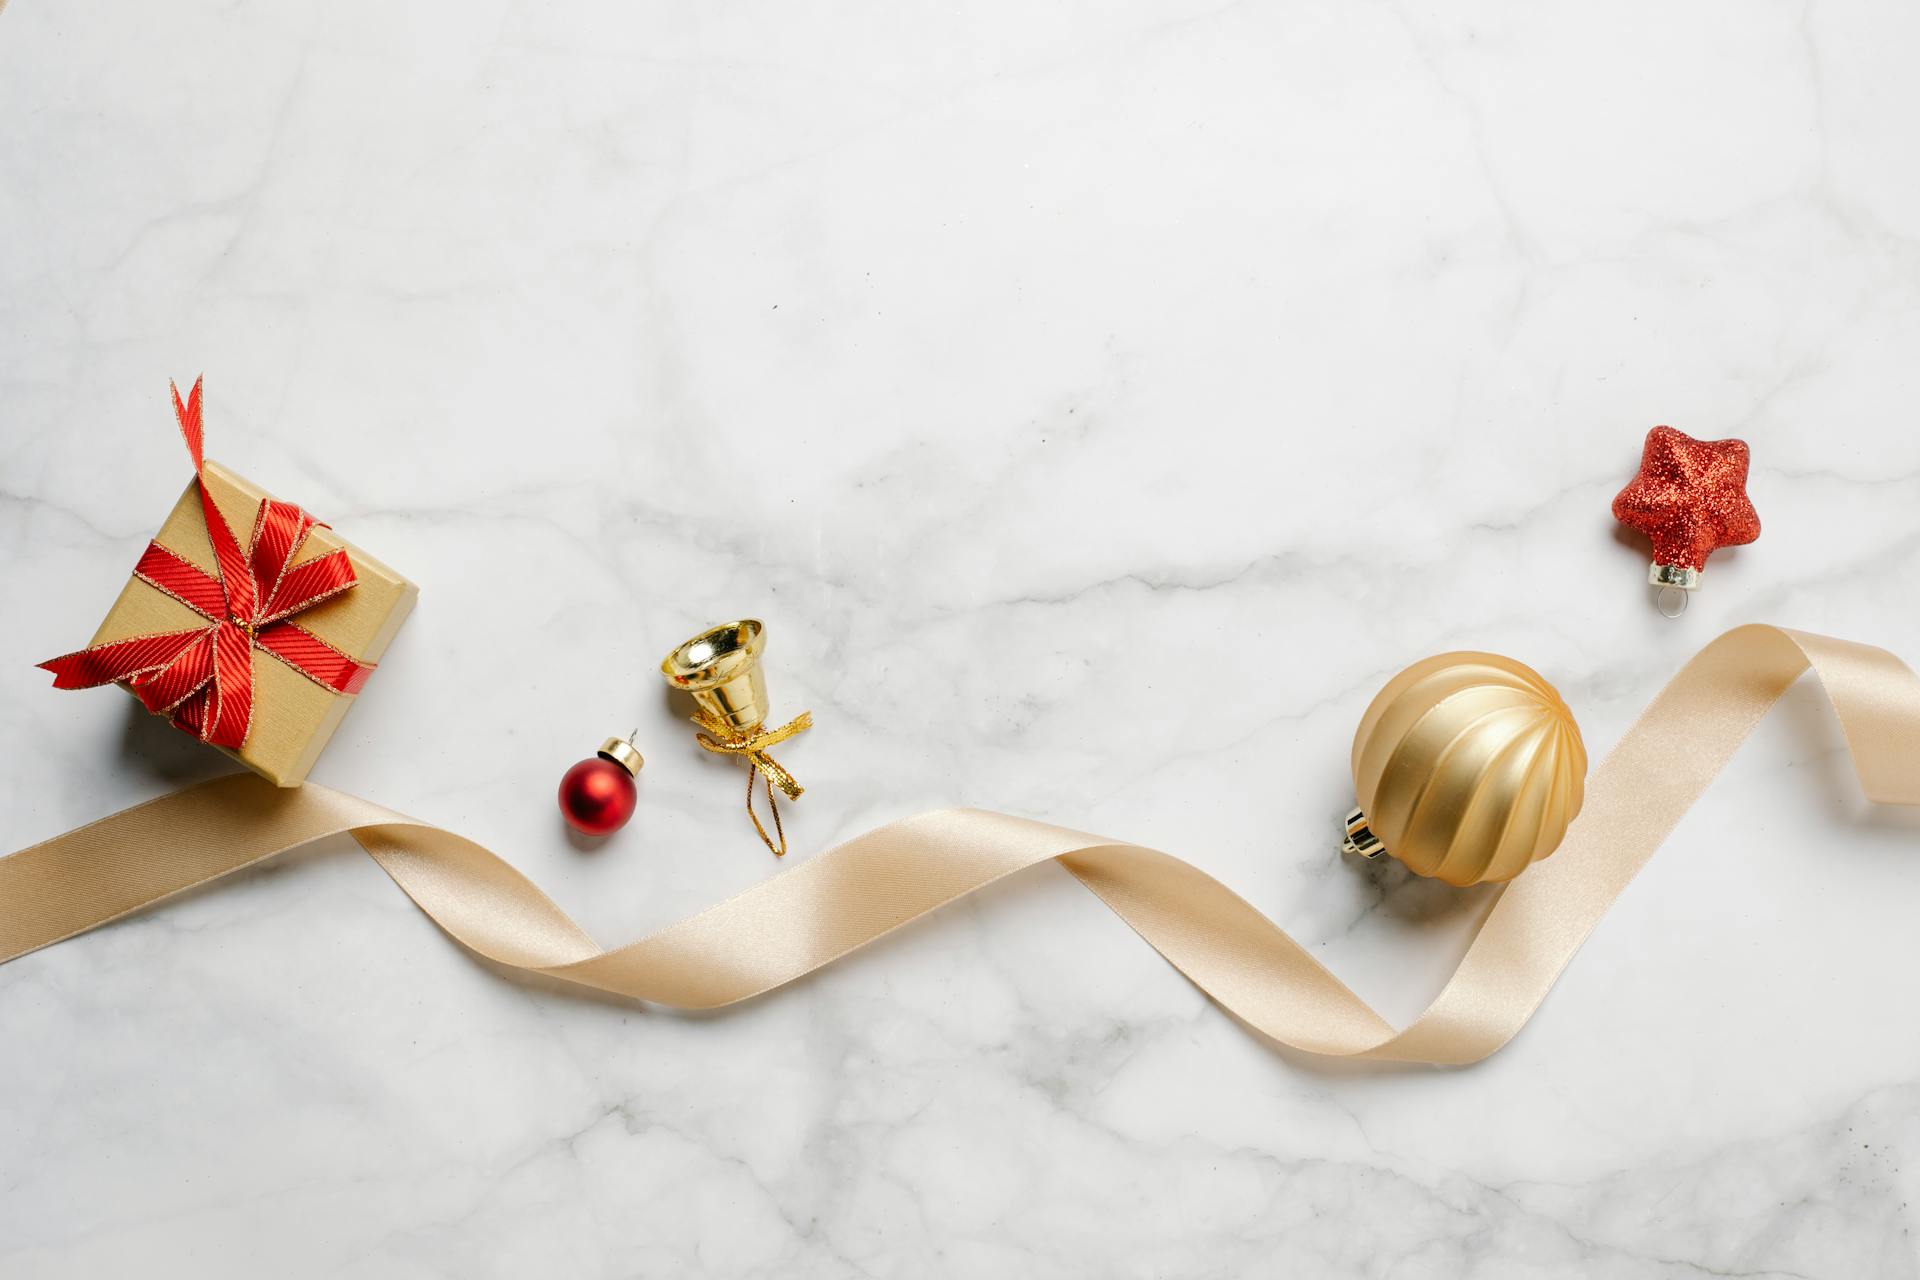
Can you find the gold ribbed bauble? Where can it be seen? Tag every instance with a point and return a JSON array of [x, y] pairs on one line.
[[1468, 768]]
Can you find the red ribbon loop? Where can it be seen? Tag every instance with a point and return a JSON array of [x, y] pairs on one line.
[[203, 677]]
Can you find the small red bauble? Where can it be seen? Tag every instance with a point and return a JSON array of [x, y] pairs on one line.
[[597, 795]]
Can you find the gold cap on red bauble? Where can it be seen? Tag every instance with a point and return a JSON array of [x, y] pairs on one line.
[[1468, 768], [623, 753]]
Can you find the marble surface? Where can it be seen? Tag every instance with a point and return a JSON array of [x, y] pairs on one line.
[[1020, 365]]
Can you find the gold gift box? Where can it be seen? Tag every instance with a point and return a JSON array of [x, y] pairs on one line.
[[292, 716]]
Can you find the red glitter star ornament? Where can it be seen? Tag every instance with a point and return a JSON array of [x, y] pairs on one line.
[[1690, 498]]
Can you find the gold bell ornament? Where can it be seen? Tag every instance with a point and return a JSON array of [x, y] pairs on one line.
[[720, 668], [1468, 767]]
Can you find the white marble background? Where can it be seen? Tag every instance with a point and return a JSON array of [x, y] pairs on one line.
[[1019, 364]]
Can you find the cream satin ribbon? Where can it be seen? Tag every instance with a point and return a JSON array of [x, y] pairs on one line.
[[839, 901]]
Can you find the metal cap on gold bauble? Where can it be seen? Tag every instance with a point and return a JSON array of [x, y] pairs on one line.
[[720, 667], [1468, 768]]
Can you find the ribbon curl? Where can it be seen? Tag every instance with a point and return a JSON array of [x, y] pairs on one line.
[[202, 677], [722, 740], [838, 902]]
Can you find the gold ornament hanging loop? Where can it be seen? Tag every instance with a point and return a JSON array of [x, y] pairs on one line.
[[752, 747]]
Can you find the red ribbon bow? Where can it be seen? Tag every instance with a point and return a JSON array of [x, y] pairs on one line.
[[203, 677]]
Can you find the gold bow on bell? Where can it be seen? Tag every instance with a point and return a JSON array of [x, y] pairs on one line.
[[715, 736]]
